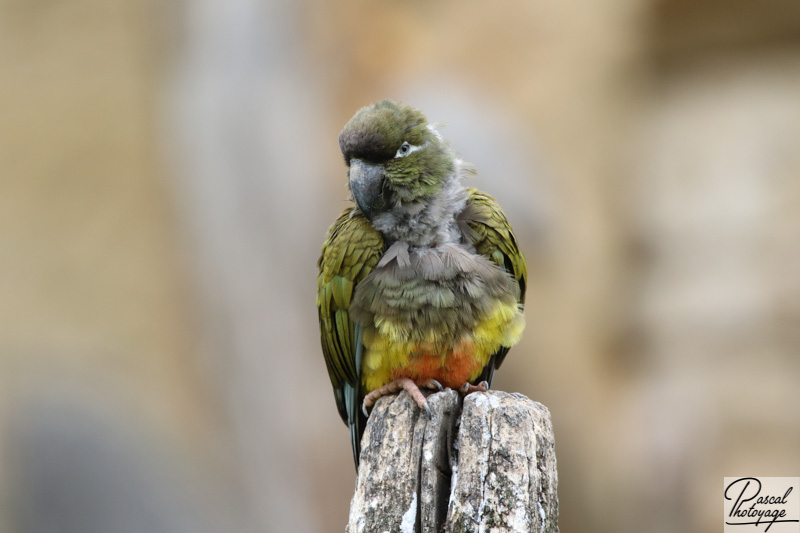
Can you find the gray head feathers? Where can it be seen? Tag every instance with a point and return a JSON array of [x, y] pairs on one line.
[[430, 222]]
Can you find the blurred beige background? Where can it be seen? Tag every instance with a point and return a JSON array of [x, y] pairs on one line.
[[168, 171]]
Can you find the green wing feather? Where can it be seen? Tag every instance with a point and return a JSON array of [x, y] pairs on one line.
[[351, 250], [485, 226]]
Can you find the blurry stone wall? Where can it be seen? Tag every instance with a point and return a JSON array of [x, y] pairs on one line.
[[106, 423], [715, 239], [167, 174]]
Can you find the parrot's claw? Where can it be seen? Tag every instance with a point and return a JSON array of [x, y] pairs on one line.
[[432, 384], [399, 384], [469, 388]]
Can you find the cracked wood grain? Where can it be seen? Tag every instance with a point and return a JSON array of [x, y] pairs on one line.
[[485, 463]]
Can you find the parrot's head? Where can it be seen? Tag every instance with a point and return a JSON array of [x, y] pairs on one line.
[[396, 159]]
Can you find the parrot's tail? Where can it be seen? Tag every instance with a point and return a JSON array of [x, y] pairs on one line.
[[356, 419]]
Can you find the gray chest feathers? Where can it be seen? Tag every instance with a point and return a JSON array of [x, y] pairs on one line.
[[431, 294]]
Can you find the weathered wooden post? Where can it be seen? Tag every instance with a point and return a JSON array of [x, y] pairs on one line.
[[488, 465]]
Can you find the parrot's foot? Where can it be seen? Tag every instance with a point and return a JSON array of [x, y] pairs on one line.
[[469, 388], [401, 384]]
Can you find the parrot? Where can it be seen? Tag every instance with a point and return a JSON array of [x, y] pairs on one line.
[[421, 282]]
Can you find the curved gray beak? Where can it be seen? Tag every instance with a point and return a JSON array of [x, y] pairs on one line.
[[366, 186]]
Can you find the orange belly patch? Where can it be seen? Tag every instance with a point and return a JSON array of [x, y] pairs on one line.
[[390, 352], [451, 370]]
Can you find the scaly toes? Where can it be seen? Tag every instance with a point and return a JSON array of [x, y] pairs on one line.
[[469, 388], [401, 384]]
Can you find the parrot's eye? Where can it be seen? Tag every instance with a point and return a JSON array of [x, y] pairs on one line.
[[406, 149]]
